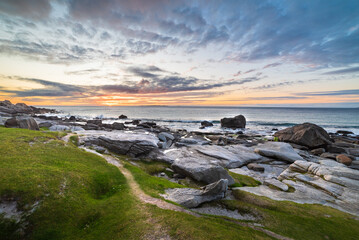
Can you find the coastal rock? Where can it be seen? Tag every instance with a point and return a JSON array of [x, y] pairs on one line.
[[328, 155], [97, 122], [45, 124], [197, 140], [344, 132], [91, 126], [121, 142], [255, 167], [21, 108], [342, 158], [188, 162], [22, 122], [166, 138], [277, 184], [118, 126], [122, 116], [65, 128], [72, 118], [306, 134], [206, 124], [278, 150], [191, 198], [318, 151], [333, 148], [236, 122]]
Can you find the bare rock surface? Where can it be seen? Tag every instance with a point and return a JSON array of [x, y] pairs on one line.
[[278, 150], [191, 198], [22, 122]]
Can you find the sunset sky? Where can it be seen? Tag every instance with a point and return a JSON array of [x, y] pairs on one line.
[[245, 53]]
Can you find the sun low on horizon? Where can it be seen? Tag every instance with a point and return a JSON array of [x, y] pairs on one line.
[[159, 52]]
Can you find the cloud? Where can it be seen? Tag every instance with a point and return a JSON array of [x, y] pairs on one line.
[[343, 71], [37, 9], [272, 65], [332, 93]]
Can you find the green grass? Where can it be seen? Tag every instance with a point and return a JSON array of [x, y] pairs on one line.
[[74, 139], [298, 221], [80, 196], [151, 185], [243, 181]]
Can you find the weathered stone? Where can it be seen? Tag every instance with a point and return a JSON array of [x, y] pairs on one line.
[[199, 168], [236, 122], [335, 149], [22, 122], [206, 124], [342, 158], [317, 151], [255, 167], [328, 155], [306, 134], [278, 150], [118, 126], [122, 116], [277, 184], [95, 122], [191, 198]]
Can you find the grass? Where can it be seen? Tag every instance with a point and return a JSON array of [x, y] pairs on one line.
[[298, 221], [243, 181], [74, 139], [151, 185], [80, 196]]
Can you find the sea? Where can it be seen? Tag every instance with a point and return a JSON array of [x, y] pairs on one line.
[[259, 119]]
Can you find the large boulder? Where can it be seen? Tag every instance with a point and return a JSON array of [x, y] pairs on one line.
[[22, 122], [236, 122], [191, 198], [306, 134]]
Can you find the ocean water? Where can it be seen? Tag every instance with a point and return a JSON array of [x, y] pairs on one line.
[[189, 117]]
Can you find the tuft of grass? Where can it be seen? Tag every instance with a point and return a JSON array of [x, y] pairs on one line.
[[151, 185], [74, 139], [243, 181]]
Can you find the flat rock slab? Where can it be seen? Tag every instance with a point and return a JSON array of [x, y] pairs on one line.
[[191, 198], [278, 150], [276, 183], [131, 143]]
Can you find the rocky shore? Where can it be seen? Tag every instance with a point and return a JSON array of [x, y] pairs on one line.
[[303, 163]]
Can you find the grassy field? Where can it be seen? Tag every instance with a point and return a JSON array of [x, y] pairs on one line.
[[67, 193]]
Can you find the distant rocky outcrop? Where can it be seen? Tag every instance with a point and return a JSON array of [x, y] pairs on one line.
[[236, 122], [306, 134], [191, 198], [21, 108], [22, 122]]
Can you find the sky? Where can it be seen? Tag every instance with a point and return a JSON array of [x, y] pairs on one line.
[[161, 52]]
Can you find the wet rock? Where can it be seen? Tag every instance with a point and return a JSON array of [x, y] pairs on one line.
[[136, 122], [197, 140], [91, 126], [255, 167], [317, 151], [122, 116], [344, 132], [278, 150], [236, 122], [147, 124], [206, 124], [72, 118], [342, 158], [191, 198], [118, 126], [22, 122], [306, 134], [95, 122]]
